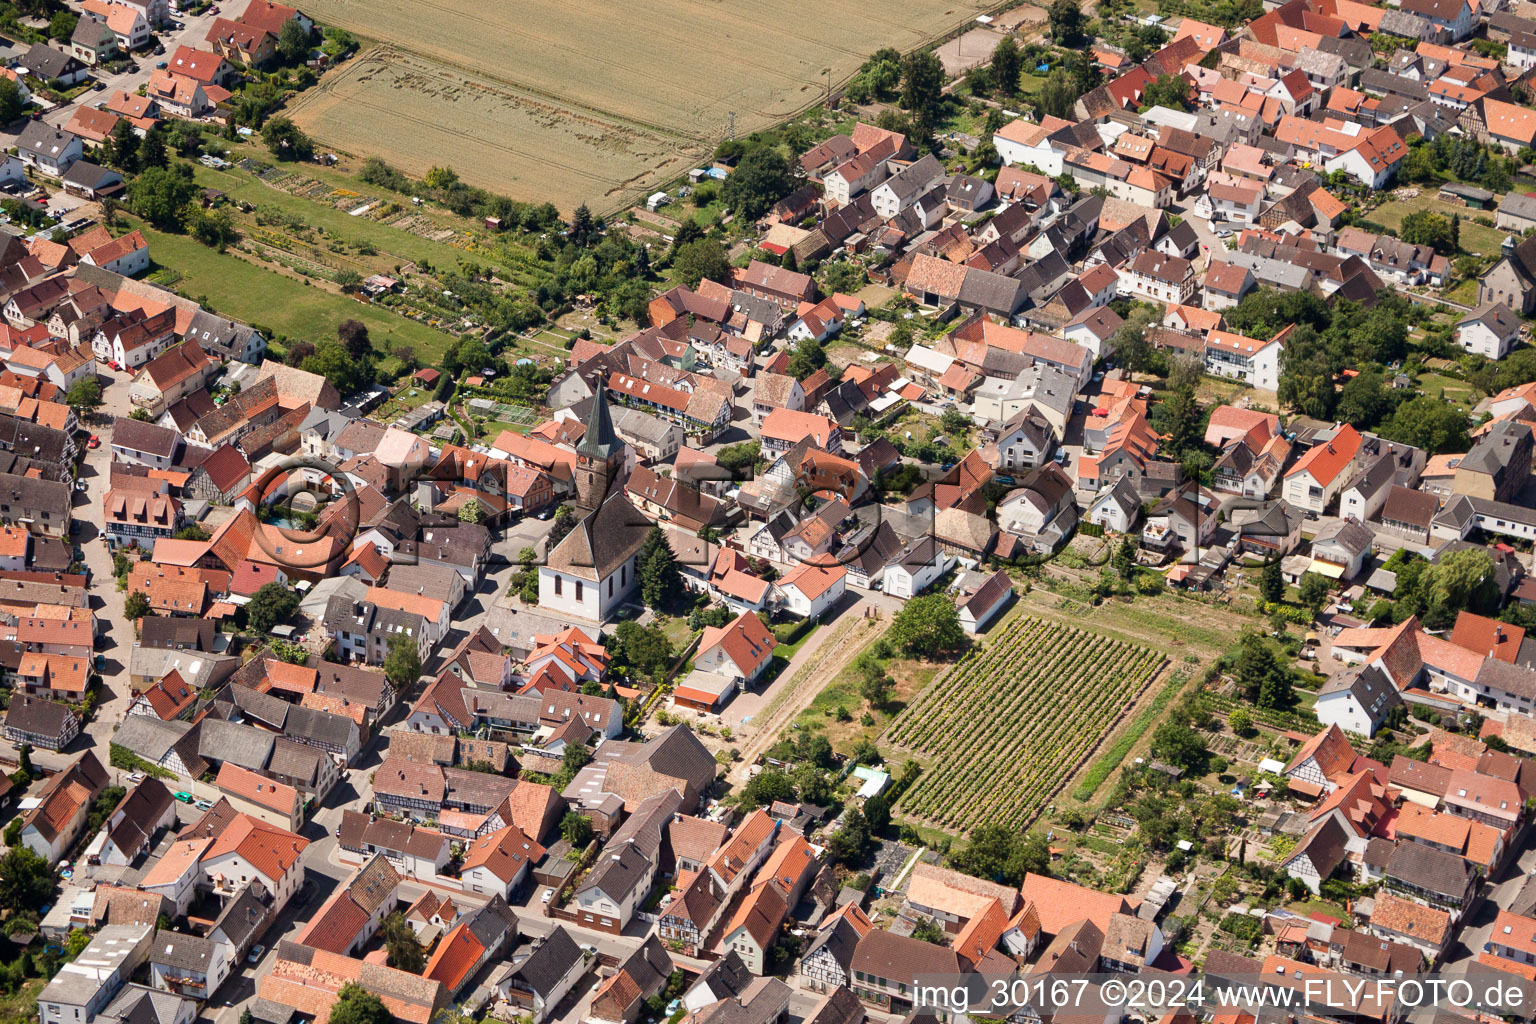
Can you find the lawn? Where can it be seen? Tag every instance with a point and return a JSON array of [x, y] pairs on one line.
[[403, 246], [1474, 237], [229, 285], [1449, 389], [1464, 293]]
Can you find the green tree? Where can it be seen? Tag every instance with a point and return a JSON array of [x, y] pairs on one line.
[[26, 881], [701, 259], [61, 26], [271, 605], [1165, 91], [400, 942], [922, 90], [136, 605], [402, 662], [471, 511], [1241, 721], [1272, 583], [1179, 745], [1001, 854], [215, 228], [1462, 580], [760, 179], [10, 101], [927, 931], [1007, 64], [1129, 342], [1125, 558], [1426, 227], [1366, 400], [583, 227], [850, 844], [286, 141], [1066, 22], [1260, 674], [102, 807], [1057, 96], [332, 362], [293, 47], [1314, 590], [123, 146], [874, 682], [808, 356], [766, 787], [645, 650], [75, 942], [152, 147], [661, 584], [356, 1005], [927, 626], [84, 394], [577, 829], [1428, 423], [161, 194]]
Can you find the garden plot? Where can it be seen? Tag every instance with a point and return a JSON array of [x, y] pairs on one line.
[[1003, 729]]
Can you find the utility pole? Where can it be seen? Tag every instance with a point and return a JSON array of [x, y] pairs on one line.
[[828, 72]]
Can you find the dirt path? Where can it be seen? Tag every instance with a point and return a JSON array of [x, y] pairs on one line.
[[819, 664]]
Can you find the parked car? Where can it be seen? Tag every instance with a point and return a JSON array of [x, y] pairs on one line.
[[203, 805], [135, 777], [255, 954], [184, 797], [94, 442], [162, 65], [549, 894]]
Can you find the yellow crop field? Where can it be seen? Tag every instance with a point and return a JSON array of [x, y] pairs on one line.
[[547, 99]]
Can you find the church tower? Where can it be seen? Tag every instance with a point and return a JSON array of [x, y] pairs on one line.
[[599, 456]]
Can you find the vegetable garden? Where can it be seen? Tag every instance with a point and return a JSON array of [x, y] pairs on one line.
[[1012, 719]]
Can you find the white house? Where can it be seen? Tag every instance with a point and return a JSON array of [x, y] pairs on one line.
[[810, 590], [1321, 472], [591, 573], [1116, 507], [1024, 142], [1243, 358], [980, 597], [251, 850], [914, 570], [1356, 699], [1373, 162], [498, 863], [739, 650], [175, 875], [1490, 332]]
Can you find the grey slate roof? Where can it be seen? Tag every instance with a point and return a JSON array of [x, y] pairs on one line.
[[244, 745], [547, 964], [178, 949], [149, 737], [1443, 874], [37, 716], [139, 436]]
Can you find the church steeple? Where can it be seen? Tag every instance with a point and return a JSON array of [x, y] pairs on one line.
[[600, 440], [600, 455]]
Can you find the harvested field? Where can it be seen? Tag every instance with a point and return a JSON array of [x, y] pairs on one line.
[[415, 114], [559, 101]]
